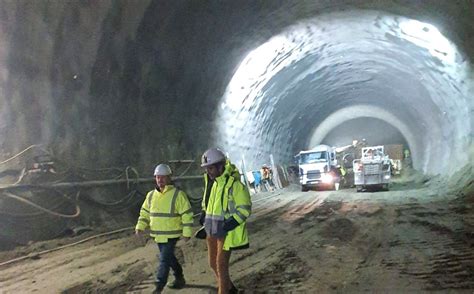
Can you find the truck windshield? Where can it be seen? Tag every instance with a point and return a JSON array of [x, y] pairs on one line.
[[313, 157]]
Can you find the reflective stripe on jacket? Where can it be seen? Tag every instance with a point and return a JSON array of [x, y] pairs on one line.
[[228, 198], [167, 214]]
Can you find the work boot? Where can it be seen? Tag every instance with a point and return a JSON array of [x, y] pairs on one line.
[[158, 288], [178, 283], [233, 289]]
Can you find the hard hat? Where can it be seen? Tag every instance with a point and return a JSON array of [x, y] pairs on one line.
[[212, 156], [162, 170]]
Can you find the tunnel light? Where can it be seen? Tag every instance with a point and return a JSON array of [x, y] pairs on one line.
[[428, 36]]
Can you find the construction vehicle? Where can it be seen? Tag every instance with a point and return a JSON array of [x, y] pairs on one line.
[[372, 170], [395, 153], [317, 168]]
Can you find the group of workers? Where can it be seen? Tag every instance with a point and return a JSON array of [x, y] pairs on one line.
[[262, 178], [226, 205]]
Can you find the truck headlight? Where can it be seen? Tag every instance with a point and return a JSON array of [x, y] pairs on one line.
[[387, 177], [326, 178]]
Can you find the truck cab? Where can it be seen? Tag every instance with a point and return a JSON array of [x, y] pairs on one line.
[[316, 167]]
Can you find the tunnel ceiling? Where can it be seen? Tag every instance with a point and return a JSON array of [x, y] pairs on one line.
[[112, 83]]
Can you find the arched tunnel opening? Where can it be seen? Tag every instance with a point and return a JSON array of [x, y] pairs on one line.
[[373, 130], [322, 72], [95, 94]]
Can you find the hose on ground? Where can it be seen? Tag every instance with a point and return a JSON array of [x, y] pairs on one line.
[[64, 246]]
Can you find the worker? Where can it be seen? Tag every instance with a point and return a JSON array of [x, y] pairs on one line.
[[167, 213], [342, 172], [226, 207], [370, 153], [267, 178], [406, 152]]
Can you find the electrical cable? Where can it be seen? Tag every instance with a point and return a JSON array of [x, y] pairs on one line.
[[64, 246], [15, 156], [21, 199], [126, 176], [22, 175], [118, 202]]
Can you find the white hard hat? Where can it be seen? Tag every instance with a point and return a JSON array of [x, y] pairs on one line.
[[162, 170], [212, 156]]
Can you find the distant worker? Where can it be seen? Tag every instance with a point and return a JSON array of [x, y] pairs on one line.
[[258, 180], [370, 153], [267, 178], [406, 152], [342, 172], [226, 207], [166, 213], [336, 175]]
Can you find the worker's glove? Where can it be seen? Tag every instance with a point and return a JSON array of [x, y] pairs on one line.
[[201, 233], [230, 224], [202, 218]]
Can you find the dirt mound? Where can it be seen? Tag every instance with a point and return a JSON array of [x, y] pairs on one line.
[[462, 183], [339, 228]]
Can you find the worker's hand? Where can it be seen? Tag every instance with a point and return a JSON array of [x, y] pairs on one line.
[[230, 224], [141, 238], [202, 217]]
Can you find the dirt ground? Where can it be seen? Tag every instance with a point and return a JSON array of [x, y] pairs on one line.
[[413, 238]]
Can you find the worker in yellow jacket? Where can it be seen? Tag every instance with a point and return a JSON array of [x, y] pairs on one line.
[[166, 213], [226, 207]]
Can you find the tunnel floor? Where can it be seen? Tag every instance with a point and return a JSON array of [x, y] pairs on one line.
[[313, 242]]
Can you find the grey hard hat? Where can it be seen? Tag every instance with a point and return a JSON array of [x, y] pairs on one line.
[[212, 156]]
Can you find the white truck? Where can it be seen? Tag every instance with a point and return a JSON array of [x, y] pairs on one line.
[[316, 168], [372, 170]]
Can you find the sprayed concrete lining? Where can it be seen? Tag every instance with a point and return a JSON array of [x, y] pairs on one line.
[[135, 82]]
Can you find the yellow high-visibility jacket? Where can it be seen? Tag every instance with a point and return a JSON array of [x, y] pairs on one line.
[[167, 214], [228, 198]]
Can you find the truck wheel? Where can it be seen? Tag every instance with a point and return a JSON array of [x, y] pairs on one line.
[[385, 187], [304, 188], [359, 189]]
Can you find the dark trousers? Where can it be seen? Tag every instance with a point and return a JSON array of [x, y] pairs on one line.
[[168, 260]]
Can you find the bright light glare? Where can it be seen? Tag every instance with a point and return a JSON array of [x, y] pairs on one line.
[[259, 65], [326, 178], [429, 37]]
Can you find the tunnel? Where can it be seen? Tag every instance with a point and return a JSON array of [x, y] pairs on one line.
[[110, 85], [136, 83]]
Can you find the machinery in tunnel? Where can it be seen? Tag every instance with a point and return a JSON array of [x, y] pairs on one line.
[[134, 96]]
